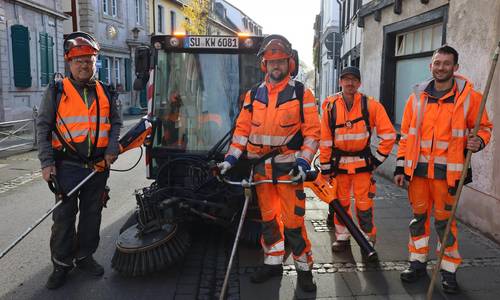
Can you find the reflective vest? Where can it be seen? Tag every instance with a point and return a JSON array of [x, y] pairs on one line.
[[437, 137], [273, 121], [76, 123], [345, 135]]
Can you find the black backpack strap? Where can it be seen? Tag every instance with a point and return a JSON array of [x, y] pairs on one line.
[[366, 114], [335, 155], [299, 93]]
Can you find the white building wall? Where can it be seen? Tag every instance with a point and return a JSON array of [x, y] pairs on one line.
[[474, 31]]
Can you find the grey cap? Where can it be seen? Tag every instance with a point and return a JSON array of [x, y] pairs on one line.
[[352, 71]]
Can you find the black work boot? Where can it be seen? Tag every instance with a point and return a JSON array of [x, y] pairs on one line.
[[449, 282], [341, 246], [58, 277], [89, 265], [265, 272], [305, 281], [415, 271]]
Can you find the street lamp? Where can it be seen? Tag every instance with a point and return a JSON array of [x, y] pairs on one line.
[[135, 32]]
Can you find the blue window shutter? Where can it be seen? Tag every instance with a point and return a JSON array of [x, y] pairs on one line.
[[21, 55], [128, 74], [44, 75]]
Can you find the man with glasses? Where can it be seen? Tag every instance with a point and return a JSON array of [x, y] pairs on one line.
[[78, 128]]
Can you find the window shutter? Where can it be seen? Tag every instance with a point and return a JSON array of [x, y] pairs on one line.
[[50, 56], [21, 55], [128, 74], [44, 76]]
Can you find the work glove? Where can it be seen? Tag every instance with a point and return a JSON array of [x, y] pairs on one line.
[[227, 164], [298, 174]]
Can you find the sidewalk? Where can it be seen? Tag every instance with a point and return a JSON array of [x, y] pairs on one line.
[[344, 276]]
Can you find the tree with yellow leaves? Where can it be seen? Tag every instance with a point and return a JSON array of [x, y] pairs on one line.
[[196, 13]]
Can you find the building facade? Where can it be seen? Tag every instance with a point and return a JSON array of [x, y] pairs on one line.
[[399, 38], [329, 45], [31, 37], [119, 26], [166, 17], [352, 34]]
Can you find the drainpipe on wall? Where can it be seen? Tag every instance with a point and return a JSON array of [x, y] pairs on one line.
[[154, 17]]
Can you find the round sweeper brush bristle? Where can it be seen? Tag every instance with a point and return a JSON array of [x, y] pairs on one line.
[[137, 254]]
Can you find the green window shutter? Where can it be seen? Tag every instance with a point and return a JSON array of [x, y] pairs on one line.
[[103, 71], [21, 55], [128, 74], [50, 56], [44, 76]]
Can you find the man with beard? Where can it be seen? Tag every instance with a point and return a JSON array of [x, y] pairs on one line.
[[278, 127], [345, 153], [434, 139]]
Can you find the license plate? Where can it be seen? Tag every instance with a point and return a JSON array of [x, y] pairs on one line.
[[211, 42]]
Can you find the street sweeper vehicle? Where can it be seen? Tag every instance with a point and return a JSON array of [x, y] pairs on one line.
[[195, 87]]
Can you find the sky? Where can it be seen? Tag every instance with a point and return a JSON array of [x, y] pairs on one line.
[[292, 18]]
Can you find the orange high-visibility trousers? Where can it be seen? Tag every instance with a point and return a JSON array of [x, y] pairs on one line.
[[282, 207], [363, 187], [425, 193]]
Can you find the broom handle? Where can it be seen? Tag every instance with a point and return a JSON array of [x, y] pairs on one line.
[[248, 195], [464, 174]]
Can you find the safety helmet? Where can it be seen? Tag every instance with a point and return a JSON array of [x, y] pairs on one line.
[[80, 43], [276, 47]]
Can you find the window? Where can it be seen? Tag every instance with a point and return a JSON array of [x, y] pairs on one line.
[[421, 40], [160, 19], [128, 74], [46, 58], [117, 67], [172, 22], [105, 8], [21, 55], [138, 12], [104, 70], [113, 8]]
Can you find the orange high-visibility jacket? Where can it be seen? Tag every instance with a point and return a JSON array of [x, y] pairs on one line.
[[434, 131], [75, 122], [272, 120], [352, 135]]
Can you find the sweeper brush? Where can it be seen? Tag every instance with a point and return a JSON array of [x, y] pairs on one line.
[[137, 255]]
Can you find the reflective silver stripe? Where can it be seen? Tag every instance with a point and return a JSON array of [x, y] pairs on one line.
[[412, 131], [440, 160], [351, 136], [284, 158], [448, 265], [457, 132], [442, 145], [404, 136], [74, 119], [325, 166], [408, 163], [485, 129], [239, 139], [269, 140], [400, 163], [417, 256], [421, 243], [302, 265], [103, 133], [306, 105], [350, 159], [74, 134], [423, 158], [311, 143], [234, 152], [277, 247], [377, 155], [425, 143], [455, 167], [273, 259], [466, 105], [326, 143], [387, 136], [307, 155]]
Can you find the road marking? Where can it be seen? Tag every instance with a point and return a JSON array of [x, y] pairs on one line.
[[18, 181], [3, 165]]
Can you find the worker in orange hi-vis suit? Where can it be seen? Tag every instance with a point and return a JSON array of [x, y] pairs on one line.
[[346, 128], [434, 139], [279, 114]]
